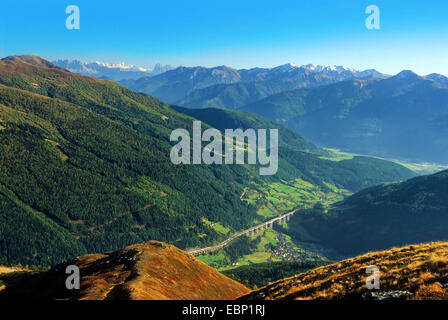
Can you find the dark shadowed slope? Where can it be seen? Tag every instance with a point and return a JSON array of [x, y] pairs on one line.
[[377, 218]]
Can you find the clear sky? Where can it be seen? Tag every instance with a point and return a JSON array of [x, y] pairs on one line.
[[237, 33]]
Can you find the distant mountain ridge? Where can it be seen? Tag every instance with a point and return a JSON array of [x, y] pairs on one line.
[[110, 71], [231, 88], [404, 116]]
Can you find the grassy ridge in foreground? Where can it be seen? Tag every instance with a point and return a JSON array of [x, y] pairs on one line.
[[420, 270], [147, 271]]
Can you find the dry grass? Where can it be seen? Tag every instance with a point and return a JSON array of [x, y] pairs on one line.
[[10, 269], [148, 271], [419, 269]]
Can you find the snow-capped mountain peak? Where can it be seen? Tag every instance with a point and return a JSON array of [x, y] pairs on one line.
[[116, 72], [333, 70], [312, 67], [286, 67], [319, 68]]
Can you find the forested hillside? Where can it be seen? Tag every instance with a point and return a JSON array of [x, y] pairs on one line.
[[85, 168], [222, 119], [395, 214]]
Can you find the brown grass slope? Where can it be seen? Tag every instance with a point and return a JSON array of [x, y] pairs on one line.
[[148, 271], [28, 65], [421, 270]]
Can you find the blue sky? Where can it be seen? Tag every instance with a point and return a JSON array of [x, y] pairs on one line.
[[242, 34]]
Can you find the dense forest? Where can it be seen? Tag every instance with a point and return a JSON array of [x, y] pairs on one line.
[[85, 168], [260, 274], [381, 217]]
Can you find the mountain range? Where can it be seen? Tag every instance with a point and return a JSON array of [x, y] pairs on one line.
[[85, 167], [110, 71], [231, 88], [404, 116], [366, 112]]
